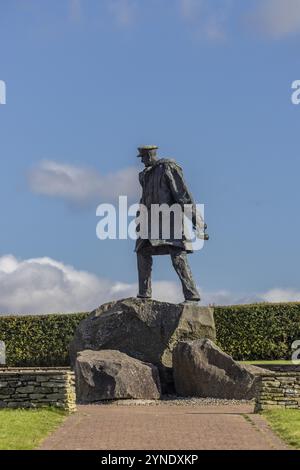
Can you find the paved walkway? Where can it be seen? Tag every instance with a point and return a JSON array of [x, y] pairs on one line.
[[163, 427]]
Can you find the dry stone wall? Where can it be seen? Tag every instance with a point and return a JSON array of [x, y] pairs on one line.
[[37, 387], [278, 390]]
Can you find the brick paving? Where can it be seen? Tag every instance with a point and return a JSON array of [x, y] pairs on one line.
[[163, 427]]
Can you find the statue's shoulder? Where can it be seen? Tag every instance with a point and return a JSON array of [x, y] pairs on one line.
[[169, 163]]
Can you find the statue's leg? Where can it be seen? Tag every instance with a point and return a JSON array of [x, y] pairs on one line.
[[144, 262], [181, 266]]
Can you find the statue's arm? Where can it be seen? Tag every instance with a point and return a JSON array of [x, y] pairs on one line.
[[177, 185], [179, 189]]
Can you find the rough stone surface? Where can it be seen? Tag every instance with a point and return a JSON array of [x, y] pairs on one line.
[[147, 330], [278, 390], [37, 387], [108, 375], [255, 370], [202, 369]]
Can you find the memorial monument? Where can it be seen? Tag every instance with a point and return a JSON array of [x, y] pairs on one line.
[[163, 184], [139, 347]]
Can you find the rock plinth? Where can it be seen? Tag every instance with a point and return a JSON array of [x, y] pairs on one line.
[[147, 330], [201, 369], [109, 375]]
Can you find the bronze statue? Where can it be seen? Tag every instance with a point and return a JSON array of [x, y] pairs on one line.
[[162, 183]]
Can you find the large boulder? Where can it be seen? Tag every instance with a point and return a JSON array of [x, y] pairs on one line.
[[108, 375], [145, 329], [202, 369]]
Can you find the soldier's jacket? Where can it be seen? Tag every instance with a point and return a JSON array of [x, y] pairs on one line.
[[163, 183]]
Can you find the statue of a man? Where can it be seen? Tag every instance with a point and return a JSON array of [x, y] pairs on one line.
[[162, 183]]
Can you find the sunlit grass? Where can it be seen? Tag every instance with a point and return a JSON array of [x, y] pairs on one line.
[[286, 423], [24, 429]]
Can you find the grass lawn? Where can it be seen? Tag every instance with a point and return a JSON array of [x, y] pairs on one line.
[[24, 429], [286, 423]]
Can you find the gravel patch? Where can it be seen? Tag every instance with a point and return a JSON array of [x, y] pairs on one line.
[[176, 401]]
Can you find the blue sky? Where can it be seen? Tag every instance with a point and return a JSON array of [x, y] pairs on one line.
[[87, 82]]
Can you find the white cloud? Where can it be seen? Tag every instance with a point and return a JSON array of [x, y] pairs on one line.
[[44, 285], [277, 18], [82, 185], [281, 295], [220, 297], [272, 296]]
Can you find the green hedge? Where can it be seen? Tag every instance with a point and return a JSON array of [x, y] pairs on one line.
[[38, 340], [258, 331], [246, 332]]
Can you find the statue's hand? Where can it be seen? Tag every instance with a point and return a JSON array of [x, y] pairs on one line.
[[200, 231]]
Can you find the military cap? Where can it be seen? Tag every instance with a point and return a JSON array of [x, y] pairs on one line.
[[145, 148]]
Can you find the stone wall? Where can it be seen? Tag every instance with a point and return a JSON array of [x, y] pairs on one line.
[[37, 387], [278, 390]]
